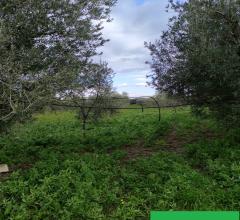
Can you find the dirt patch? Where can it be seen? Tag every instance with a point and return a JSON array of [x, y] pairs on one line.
[[4, 176], [171, 142], [22, 166], [134, 152], [174, 142]]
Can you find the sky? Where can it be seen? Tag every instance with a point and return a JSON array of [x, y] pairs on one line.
[[134, 22]]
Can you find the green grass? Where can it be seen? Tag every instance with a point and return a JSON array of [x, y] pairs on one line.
[[70, 176]]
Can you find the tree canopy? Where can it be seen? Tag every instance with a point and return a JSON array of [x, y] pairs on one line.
[[44, 46], [198, 57]]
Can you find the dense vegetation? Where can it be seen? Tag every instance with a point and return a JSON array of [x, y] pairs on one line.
[[46, 51], [198, 57], [126, 166], [126, 163]]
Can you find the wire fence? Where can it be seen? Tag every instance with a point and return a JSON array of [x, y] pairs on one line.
[[111, 104], [98, 105]]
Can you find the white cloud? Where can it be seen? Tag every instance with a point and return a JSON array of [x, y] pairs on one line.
[[122, 85], [142, 79], [132, 25], [141, 84]]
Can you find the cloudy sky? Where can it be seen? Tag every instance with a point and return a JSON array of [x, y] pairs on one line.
[[134, 21]]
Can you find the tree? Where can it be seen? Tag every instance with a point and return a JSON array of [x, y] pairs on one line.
[[198, 57], [125, 94], [89, 92], [44, 45]]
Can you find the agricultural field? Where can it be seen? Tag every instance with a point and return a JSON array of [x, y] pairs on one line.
[[122, 168]]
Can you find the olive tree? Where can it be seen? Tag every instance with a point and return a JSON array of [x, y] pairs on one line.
[[198, 57], [90, 91], [44, 46]]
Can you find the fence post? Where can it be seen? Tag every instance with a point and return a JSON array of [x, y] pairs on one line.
[[159, 108]]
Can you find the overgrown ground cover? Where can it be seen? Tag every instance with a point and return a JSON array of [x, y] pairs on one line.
[[124, 167]]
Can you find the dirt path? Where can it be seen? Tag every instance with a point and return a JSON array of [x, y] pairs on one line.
[[171, 142]]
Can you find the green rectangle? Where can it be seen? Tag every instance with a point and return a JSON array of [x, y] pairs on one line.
[[194, 215]]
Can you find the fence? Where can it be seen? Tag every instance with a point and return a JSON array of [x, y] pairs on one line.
[[86, 105]]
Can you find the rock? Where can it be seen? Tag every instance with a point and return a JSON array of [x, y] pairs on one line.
[[4, 168]]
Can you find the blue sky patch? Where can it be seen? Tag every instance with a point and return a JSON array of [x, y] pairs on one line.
[[139, 2]]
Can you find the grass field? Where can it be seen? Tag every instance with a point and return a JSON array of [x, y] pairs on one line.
[[124, 167]]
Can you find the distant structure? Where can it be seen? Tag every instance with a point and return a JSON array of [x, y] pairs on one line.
[[133, 101]]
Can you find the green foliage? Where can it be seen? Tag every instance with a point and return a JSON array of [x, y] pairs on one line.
[[70, 176], [62, 132], [219, 158], [198, 57], [45, 47]]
